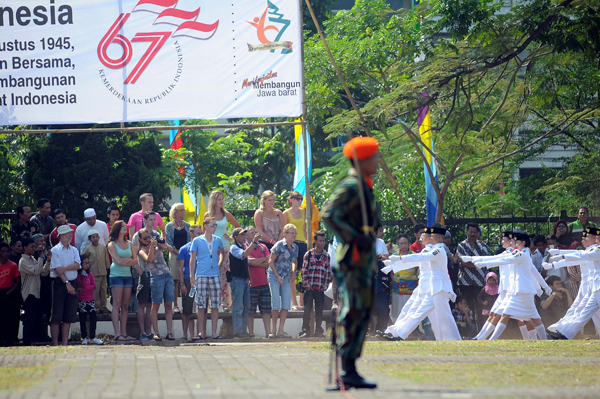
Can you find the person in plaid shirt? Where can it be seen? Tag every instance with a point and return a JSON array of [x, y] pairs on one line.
[[471, 279], [316, 276]]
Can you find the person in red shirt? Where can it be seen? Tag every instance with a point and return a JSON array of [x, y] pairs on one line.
[[60, 218], [416, 246], [260, 295], [136, 220], [10, 298]]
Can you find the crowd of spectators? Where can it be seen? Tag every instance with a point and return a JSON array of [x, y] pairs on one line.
[[51, 270]]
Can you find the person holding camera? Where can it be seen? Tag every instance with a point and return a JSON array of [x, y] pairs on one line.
[[239, 276], [161, 280], [144, 290], [31, 270]]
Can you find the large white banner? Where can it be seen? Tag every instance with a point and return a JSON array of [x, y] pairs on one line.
[[101, 61]]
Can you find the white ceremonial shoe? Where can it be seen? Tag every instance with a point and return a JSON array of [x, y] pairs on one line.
[[97, 341], [84, 342]]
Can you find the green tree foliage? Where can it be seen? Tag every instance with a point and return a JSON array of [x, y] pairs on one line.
[[500, 86], [78, 171], [211, 157], [322, 10]]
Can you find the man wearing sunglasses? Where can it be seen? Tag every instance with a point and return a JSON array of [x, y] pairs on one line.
[[206, 257]]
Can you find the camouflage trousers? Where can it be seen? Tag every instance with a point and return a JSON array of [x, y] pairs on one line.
[[356, 293]]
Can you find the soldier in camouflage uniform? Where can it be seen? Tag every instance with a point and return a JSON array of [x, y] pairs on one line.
[[355, 255]]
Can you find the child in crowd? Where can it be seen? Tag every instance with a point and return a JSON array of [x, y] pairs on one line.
[[552, 242], [99, 260], [488, 294], [87, 306], [464, 319]]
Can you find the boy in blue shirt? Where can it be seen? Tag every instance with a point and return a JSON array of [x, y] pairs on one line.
[[205, 259]]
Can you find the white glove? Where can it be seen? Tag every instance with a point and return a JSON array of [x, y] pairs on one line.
[[395, 258], [387, 269], [466, 258], [547, 266], [554, 251]]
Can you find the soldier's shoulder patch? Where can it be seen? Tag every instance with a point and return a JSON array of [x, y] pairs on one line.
[[597, 248], [435, 252], [517, 254]]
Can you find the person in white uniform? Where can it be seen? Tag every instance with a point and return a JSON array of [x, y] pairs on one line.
[[562, 326], [590, 304], [526, 327], [425, 241], [434, 292], [493, 319], [524, 284]]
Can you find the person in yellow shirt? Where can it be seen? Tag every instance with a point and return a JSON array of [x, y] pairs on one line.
[[405, 281], [297, 216]]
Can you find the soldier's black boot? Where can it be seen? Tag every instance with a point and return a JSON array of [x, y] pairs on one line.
[[352, 379]]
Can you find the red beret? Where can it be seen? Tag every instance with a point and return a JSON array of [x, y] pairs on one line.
[[365, 147]]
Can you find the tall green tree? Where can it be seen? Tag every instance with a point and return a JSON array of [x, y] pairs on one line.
[[79, 171], [500, 86]]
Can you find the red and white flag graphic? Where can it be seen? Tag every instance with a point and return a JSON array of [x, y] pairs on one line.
[[175, 17], [196, 30], [155, 6]]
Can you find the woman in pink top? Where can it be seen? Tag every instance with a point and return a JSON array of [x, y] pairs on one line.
[[268, 220], [87, 305]]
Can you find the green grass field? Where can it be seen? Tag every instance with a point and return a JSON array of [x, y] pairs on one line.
[[503, 348], [484, 364], [475, 366]]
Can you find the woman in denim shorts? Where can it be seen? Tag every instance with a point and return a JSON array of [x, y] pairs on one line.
[[123, 259], [161, 281], [282, 264]]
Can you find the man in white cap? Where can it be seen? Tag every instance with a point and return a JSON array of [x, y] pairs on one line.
[[81, 234], [63, 271]]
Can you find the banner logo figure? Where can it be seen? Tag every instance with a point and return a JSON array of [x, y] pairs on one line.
[[274, 16]]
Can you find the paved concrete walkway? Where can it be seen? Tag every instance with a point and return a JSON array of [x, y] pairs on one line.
[[239, 370]]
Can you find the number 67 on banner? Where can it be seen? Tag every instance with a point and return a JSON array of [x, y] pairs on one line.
[[192, 29]]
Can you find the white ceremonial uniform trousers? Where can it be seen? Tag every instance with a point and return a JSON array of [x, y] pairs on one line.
[[580, 320], [574, 310], [443, 318], [399, 302], [413, 302]]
